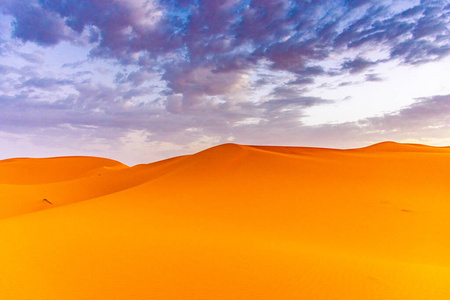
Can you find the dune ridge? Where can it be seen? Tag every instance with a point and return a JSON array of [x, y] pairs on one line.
[[230, 222], [29, 191], [54, 169]]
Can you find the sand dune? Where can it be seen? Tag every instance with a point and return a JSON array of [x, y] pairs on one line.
[[230, 222], [29, 185], [47, 170]]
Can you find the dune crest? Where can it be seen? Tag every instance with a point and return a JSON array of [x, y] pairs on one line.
[[230, 222], [30, 185], [47, 170], [398, 147]]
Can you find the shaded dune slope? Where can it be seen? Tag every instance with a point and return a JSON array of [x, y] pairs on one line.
[[48, 170], [237, 222], [29, 185]]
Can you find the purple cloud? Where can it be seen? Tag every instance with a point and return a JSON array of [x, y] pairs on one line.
[[373, 77], [416, 52], [302, 81], [234, 35], [436, 108], [430, 112], [205, 57], [357, 65], [46, 83], [33, 58], [35, 24]]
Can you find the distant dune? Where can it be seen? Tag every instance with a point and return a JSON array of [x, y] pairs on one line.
[[230, 222]]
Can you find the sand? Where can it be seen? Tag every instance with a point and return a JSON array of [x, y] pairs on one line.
[[230, 222]]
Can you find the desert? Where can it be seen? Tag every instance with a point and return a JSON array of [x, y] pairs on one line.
[[224, 150], [229, 222]]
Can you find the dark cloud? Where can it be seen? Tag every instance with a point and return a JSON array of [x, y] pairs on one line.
[[422, 51], [35, 24], [74, 65], [362, 30], [302, 81], [262, 21], [289, 99], [260, 82], [357, 65], [430, 35], [135, 78], [311, 71], [299, 102], [367, 78], [373, 77], [346, 83], [411, 12], [46, 83], [357, 3]]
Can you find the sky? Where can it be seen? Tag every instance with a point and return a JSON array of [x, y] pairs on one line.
[[144, 80]]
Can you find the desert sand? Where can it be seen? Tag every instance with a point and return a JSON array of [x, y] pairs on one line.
[[230, 222]]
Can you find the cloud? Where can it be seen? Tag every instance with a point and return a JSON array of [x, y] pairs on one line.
[[195, 83], [422, 51], [357, 65], [99, 116], [425, 121], [208, 65], [135, 78], [33, 58], [299, 102], [373, 77], [357, 3], [45, 83], [35, 24], [346, 83], [426, 112], [233, 36], [302, 81]]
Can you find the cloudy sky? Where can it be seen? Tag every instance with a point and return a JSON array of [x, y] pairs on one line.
[[143, 80]]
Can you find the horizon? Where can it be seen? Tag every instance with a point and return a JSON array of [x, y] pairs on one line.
[[141, 81], [230, 143]]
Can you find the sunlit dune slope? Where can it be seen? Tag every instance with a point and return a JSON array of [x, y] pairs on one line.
[[238, 222]]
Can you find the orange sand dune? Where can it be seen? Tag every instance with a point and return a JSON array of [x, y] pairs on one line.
[[231, 222], [86, 178], [46, 170]]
